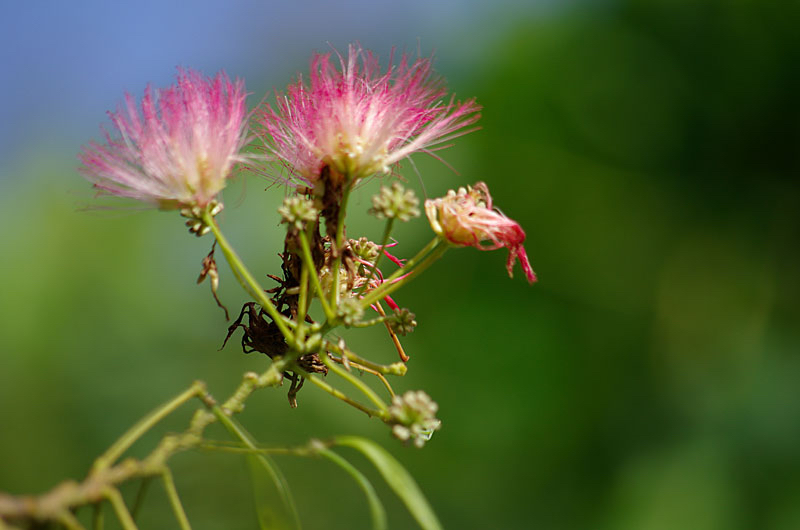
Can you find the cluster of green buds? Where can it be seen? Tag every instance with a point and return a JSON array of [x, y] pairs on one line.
[[403, 322], [195, 221], [413, 417], [351, 312], [297, 211], [395, 202], [365, 249]]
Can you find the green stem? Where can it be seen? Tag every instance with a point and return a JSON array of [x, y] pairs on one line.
[[253, 381], [369, 323], [339, 242], [98, 520], [302, 305], [175, 500], [353, 380], [341, 395], [69, 521], [140, 494], [397, 368], [248, 282], [309, 262], [120, 509], [296, 451], [386, 234], [413, 268], [144, 425]]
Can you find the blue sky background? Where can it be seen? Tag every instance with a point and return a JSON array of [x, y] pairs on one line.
[[65, 63]]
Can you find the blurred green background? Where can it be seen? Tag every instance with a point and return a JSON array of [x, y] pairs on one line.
[[648, 381]]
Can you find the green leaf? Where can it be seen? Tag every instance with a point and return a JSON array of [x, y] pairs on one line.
[[262, 467], [397, 477], [269, 485], [375, 506]]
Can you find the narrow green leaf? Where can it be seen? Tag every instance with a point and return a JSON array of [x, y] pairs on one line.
[[397, 477], [269, 485], [375, 506], [264, 490]]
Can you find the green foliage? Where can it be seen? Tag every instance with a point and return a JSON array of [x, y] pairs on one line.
[[650, 151], [401, 482], [377, 512], [274, 505]]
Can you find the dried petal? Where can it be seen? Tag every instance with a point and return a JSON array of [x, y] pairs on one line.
[[466, 218]]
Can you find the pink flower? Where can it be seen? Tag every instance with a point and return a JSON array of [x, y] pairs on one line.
[[358, 120], [467, 218], [179, 151]]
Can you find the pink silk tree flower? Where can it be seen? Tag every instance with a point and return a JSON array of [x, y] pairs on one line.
[[358, 120], [179, 151], [467, 218]]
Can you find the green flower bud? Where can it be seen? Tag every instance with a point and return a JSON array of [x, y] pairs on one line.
[[297, 211], [350, 311], [365, 249], [395, 203], [413, 417], [403, 321]]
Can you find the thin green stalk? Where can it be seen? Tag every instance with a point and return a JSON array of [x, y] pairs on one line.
[[120, 509], [302, 305], [140, 494], [248, 282], [387, 231], [217, 446], [341, 395], [397, 368], [69, 521], [309, 262], [369, 323], [353, 380], [98, 518], [409, 272], [339, 242], [144, 425], [174, 499]]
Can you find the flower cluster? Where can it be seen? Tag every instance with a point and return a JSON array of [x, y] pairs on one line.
[[404, 321], [180, 150], [413, 417], [349, 121], [359, 120], [297, 211], [395, 202], [466, 218]]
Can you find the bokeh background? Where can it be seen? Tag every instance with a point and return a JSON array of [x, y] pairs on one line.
[[650, 150]]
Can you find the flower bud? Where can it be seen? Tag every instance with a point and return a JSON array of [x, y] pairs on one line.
[[403, 322], [413, 417], [365, 249], [297, 211], [350, 311], [395, 203]]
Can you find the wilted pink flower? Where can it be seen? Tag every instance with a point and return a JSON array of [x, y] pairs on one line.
[[467, 218], [358, 120], [179, 151]]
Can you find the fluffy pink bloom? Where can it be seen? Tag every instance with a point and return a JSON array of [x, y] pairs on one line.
[[359, 120], [179, 151], [467, 218]]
